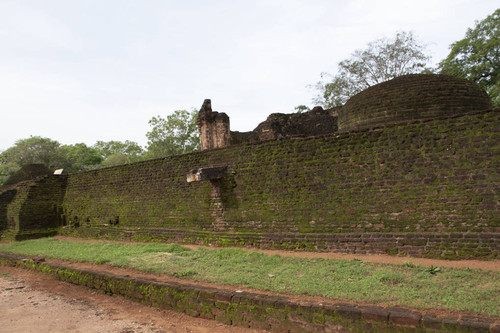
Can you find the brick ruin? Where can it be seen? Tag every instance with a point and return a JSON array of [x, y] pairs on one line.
[[404, 99], [213, 126], [408, 98], [409, 167], [280, 125], [215, 130]]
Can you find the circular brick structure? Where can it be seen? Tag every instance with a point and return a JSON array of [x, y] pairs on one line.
[[411, 97]]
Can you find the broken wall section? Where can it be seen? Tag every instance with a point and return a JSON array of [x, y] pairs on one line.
[[33, 208], [213, 126], [280, 125], [215, 130]]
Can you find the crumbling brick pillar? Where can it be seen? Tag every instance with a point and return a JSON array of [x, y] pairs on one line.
[[213, 126]]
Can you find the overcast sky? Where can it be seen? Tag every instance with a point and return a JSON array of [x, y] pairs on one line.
[[88, 70]]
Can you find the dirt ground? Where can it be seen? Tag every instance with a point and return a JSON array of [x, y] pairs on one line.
[[383, 259], [32, 302]]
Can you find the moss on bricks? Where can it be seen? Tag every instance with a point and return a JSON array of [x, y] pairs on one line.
[[430, 177]]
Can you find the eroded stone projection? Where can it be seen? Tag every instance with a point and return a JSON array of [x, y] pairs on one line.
[[213, 126], [212, 173]]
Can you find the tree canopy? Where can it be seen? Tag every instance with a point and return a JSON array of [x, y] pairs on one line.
[[477, 56], [32, 150], [176, 134], [382, 60], [36, 149], [117, 152], [79, 157]]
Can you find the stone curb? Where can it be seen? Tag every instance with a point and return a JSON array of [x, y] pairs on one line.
[[274, 313]]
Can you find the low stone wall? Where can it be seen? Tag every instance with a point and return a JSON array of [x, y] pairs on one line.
[[259, 311]]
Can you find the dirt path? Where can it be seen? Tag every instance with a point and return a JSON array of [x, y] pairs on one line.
[[493, 265], [32, 302]]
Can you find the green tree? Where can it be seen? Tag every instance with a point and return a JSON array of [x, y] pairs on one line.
[[7, 168], [34, 149], [382, 60], [117, 152], [301, 108], [477, 56], [79, 157], [177, 134]]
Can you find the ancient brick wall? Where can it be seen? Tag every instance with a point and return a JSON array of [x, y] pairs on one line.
[[32, 205], [403, 99], [280, 125], [428, 177], [411, 97], [6, 198]]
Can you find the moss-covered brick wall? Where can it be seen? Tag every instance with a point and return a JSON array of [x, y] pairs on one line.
[[6, 198], [411, 97], [433, 177], [32, 208]]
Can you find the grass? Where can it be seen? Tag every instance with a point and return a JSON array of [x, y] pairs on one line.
[[409, 285]]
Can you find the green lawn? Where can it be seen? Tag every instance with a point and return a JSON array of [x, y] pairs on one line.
[[407, 285]]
